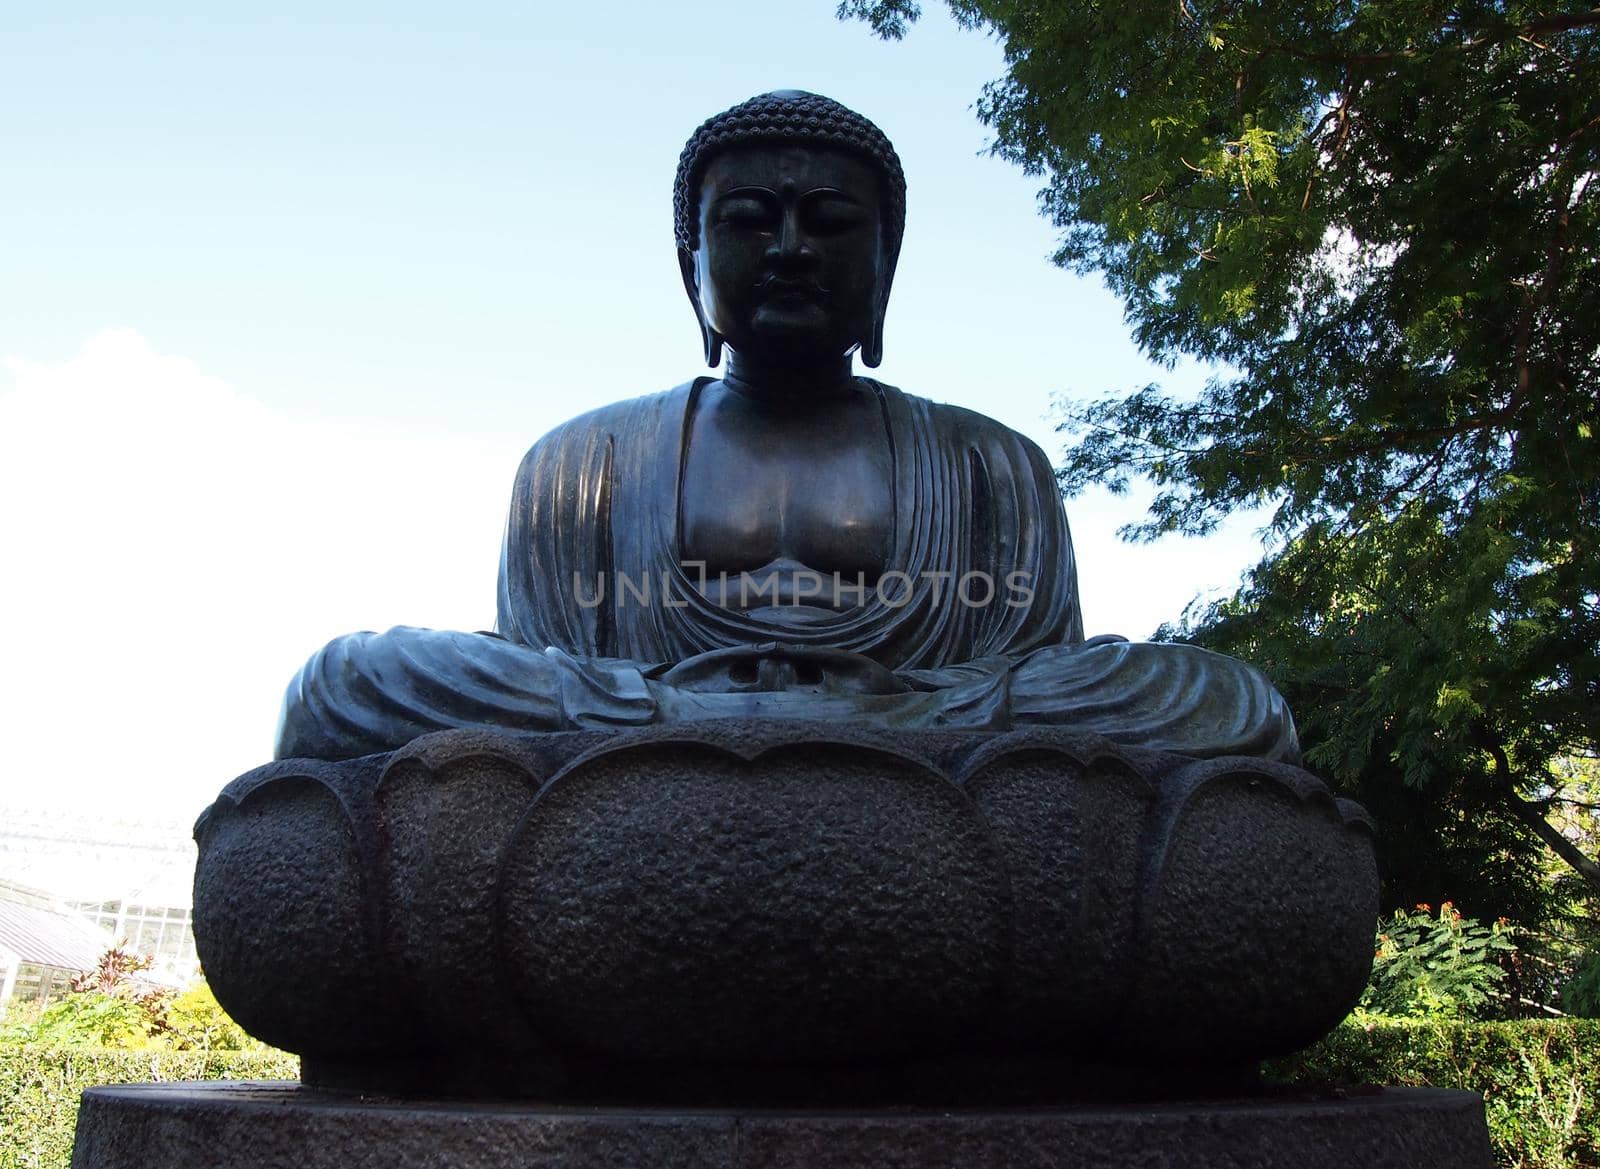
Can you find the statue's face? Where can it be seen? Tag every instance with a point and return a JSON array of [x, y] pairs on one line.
[[790, 259]]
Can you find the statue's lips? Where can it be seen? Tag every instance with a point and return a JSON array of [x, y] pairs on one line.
[[784, 291]]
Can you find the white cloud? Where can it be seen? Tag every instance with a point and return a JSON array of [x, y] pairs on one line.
[[173, 550]]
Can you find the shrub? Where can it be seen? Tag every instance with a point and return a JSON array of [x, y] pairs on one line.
[[1539, 1078], [39, 1089], [1429, 967], [195, 1021], [111, 1006], [89, 1018]]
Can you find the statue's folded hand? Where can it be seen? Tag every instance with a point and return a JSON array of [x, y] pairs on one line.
[[774, 667]]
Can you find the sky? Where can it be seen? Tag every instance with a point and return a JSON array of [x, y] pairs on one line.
[[285, 294]]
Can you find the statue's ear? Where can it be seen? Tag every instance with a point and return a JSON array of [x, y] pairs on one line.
[[872, 344], [872, 347], [691, 285]]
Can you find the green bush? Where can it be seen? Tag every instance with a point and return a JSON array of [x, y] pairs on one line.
[[110, 1007], [89, 1018], [1429, 967], [1539, 1078], [39, 1089], [195, 1021], [191, 1020]]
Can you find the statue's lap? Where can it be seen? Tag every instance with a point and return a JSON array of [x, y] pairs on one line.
[[370, 692]]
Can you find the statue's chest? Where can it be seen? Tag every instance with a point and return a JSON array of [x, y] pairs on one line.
[[817, 490]]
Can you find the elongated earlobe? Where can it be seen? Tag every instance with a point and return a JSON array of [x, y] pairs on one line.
[[872, 343], [710, 339], [872, 347]]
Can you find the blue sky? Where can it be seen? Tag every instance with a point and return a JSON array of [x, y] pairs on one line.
[[287, 293]]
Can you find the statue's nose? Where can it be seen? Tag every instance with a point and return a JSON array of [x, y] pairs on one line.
[[791, 247]]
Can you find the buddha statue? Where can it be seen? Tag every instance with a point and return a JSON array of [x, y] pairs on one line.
[[788, 778], [788, 540]]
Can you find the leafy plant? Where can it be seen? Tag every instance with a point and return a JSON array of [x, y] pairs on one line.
[[89, 1018], [195, 1021], [109, 1006], [112, 1007], [1431, 966]]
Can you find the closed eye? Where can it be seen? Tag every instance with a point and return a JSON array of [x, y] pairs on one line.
[[746, 211], [833, 211]]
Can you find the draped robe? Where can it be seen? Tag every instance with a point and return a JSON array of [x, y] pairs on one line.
[[980, 623]]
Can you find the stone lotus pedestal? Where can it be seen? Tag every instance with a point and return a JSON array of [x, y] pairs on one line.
[[780, 943]]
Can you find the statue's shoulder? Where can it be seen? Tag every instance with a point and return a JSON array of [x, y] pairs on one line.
[[612, 419], [964, 426]]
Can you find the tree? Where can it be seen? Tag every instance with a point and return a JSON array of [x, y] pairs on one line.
[[1379, 218]]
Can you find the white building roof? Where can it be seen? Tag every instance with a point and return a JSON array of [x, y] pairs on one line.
[[34, 929]]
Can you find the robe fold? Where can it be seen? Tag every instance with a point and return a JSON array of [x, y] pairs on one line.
[[595, 507]]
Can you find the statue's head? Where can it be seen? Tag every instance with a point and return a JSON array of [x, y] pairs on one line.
[[789, 211]]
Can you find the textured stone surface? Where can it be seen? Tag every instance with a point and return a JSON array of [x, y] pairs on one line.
[[241, 1126], [585, 914], [1227, 831], [284, 901], [829, 902]]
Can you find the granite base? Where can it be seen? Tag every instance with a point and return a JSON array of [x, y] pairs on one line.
[[287, 1126]]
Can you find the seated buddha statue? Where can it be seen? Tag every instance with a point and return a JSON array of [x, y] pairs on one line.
[[788, 540]]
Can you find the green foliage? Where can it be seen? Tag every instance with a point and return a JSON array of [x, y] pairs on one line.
[[1581, 995], [111, 1007], [89, 1018], [1540, 1079], [195, 1021], [1381, 216], [1435, 967], [39, 1089]]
